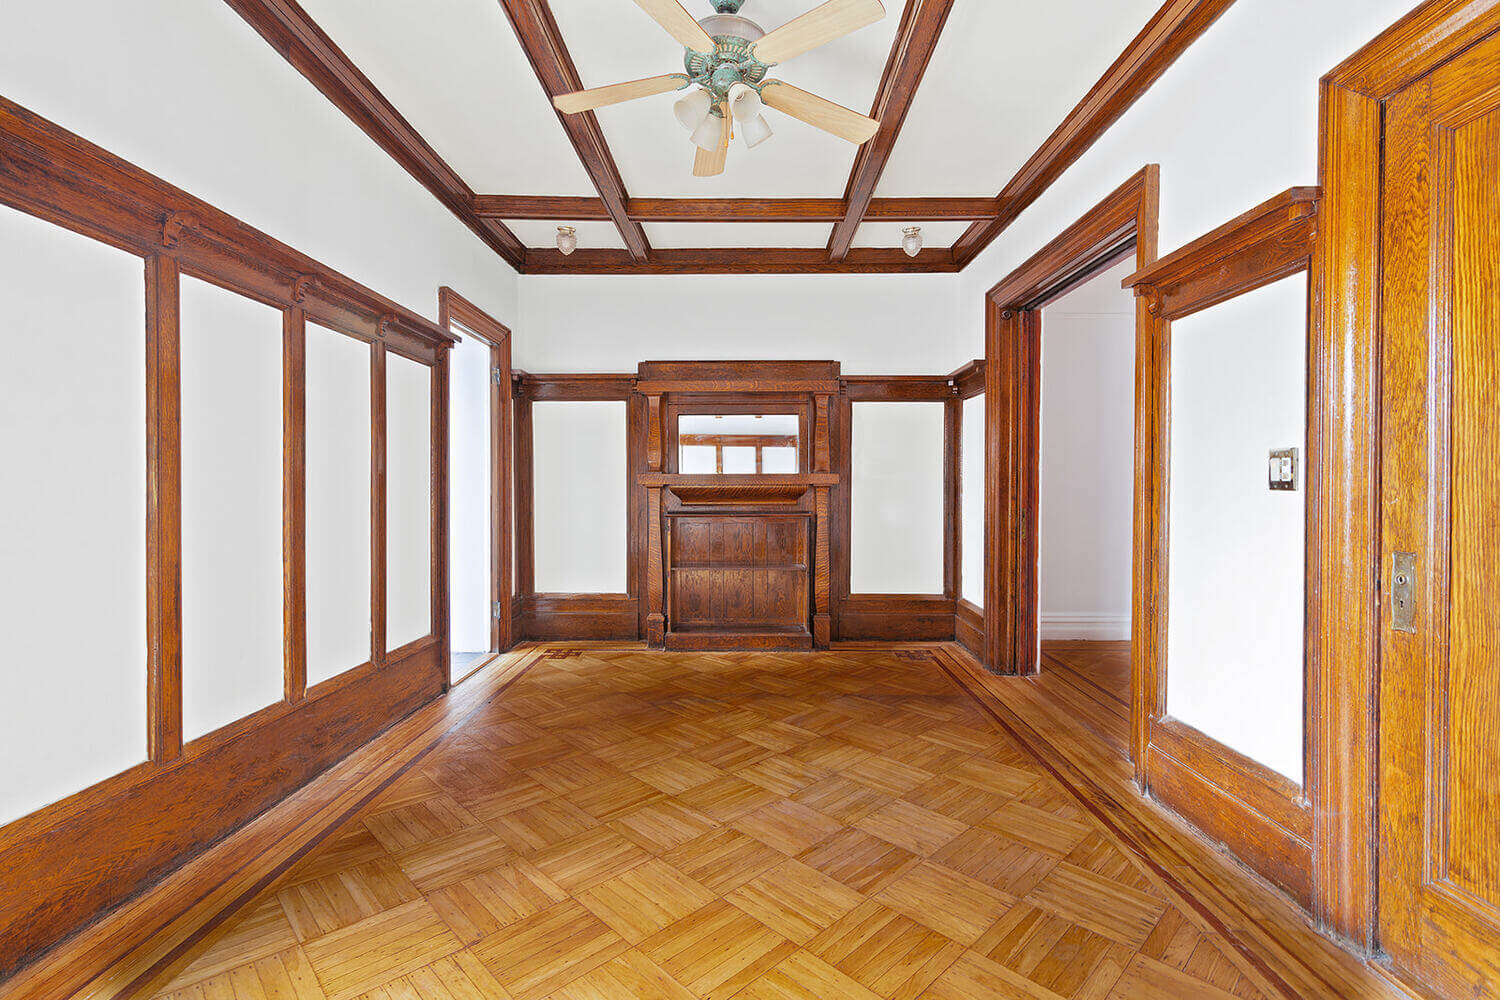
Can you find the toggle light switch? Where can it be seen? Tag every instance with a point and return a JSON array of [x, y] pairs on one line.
[[1282, 469]]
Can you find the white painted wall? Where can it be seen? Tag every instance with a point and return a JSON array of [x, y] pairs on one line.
[[72, 514], [1232, 123], [232, 650], [338, 503], [188, 90], [578, 490], [1235, 588], [873, 324], [408, 501], [971, 501], [1087, 461], [896, 498], [469, 516]]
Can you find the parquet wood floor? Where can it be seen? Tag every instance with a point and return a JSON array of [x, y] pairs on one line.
[[624, 824]]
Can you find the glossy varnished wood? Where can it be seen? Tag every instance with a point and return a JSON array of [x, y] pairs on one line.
[[862, 823]]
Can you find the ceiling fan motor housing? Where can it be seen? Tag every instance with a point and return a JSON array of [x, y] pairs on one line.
[[733, 60]]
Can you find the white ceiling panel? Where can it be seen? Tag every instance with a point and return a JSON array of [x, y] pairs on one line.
[[456, 71], [614, 41], [543, 235], [1005, 74], [888, 234], [807, 235]]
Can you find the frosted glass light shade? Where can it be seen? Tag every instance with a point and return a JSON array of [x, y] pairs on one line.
[[567, 239], [708, 135], [744, 103], [756, 130], [911, 240], [693, 108]]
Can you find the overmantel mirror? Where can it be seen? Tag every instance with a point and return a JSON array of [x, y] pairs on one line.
[[748, 443]]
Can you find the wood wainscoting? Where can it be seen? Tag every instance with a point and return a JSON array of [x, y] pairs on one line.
[[1261, 817], [65, 865]]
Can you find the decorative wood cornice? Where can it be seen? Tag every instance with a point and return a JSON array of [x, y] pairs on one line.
[[731, 260], [542, 39], [561, 209], [1176, 26], [1271, 241], [921, 25], [289, 30]]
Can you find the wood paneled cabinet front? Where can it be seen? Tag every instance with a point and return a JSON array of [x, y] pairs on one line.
[[746, 574]]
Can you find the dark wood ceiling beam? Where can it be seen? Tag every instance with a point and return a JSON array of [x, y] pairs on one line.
[[921, 26], [290, 31], [543, 42], [1174, 27], [729, 260], [489, 206]]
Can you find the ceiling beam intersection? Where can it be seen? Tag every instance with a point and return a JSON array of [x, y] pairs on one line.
[[542, 39], [921, 27], [292, 32]]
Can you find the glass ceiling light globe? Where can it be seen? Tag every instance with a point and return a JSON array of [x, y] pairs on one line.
[[709, 134], [567, 239], [911, 240], [693, 108], [756, 130], [744, 103]]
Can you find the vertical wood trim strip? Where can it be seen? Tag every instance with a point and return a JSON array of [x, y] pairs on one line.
[[502, 448], [525, 535], [995, 425], [1343, 496], [1028, 334], [163, 510], [377, 504], [294, 500], [1148, 628], [953, 507], [438, 512]]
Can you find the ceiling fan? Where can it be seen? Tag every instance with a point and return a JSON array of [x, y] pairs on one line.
[[728, 57]]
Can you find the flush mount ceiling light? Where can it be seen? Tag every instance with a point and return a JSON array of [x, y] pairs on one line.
[[567, 239], [728, 57], [911, 240]]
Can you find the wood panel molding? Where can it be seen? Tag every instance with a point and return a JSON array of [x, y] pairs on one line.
[[290, 31], [562, 209], [752, 260], [1260, 816], [1271, 241], [917, 36], [1123, 224], [1174, 27], [542, 40]]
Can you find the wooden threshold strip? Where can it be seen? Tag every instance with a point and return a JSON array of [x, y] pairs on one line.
[[146, 941], [1294, 960]]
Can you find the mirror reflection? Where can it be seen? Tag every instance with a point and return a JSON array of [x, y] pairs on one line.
[[728, 444]]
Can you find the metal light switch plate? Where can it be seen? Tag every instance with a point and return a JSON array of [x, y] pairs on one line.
[[1283, 470]]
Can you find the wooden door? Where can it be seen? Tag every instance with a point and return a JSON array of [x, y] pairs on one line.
[[1440, 671]]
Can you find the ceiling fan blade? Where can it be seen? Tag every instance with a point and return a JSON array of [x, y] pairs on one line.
[[617, 93], [819, 26], [818, 112], [707, 164], [681, 25]]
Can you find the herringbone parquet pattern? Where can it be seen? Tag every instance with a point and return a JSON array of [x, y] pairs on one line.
[[628, 825]]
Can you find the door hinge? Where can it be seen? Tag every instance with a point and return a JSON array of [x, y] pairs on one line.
[[497, 375], [499, 611]]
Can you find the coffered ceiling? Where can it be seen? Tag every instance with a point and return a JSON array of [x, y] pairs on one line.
[[974, 97]]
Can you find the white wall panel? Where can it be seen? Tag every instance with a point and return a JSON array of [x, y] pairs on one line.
[[408, 501], [896, 498], [578, 484], [232, 651], [1087, 461], [1236, 585], [971, 501], [469, 513], [338, 503], [72, 515]]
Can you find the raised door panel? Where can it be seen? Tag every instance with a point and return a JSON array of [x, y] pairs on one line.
[[1440, 673]]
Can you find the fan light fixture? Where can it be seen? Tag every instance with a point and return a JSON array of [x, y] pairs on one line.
[[725, 61], [911, 240], [567, 239]]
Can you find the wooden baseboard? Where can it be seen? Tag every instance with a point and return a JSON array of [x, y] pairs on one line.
[[568, 617], [63, 867], [141, 944], [968, 628], [896, 618], [1260, 816]]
